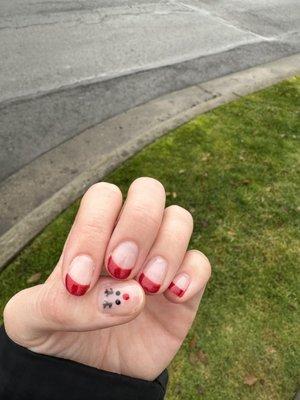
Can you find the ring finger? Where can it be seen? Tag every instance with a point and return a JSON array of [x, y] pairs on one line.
[[168, 251]]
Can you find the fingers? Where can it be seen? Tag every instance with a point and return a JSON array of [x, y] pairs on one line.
[[85, 247], [136, 229], [191, 278], [147, 241], [168, 250]]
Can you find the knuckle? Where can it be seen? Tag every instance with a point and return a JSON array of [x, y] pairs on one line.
[[50, 305], [143, 215], [176, 236], [93, 229], [94, 224], [11, 319], [8, 313]]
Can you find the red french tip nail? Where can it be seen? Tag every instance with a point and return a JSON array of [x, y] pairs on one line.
[[75, 288], [176, 290], [116, 271], [148, 285]]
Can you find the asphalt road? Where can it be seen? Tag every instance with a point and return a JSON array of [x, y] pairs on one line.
[[68, 65]]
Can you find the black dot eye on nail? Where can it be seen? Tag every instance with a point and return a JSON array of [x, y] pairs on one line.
[[118, 302], [118, 293]]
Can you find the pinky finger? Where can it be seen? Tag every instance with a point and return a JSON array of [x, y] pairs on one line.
[[190, 279]]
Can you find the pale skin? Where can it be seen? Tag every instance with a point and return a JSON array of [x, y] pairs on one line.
[[139, 335]]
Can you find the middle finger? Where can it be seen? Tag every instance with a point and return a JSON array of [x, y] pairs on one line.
[[136, 229]]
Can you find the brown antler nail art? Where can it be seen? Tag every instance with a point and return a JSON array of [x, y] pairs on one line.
[[120, 298]]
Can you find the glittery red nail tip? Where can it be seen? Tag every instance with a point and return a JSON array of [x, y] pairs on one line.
[[176, 290], [75, 288], [148, 285], [116, 271]]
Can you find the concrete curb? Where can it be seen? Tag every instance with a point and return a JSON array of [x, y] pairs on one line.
[[32, 126], [65, 172]]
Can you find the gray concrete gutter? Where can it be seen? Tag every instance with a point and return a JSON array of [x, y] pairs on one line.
[[37, 193], [66, 66]]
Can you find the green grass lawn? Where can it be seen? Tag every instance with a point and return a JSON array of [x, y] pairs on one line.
[[235, 169]]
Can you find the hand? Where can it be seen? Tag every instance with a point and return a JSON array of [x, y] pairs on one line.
[[108, 322]]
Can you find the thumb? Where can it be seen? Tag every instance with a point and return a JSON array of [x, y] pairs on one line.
[[35, 312]]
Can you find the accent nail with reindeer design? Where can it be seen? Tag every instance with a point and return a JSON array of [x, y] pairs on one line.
[[120, 298]]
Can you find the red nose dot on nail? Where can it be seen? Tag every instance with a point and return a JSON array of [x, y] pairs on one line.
[[126, 296]]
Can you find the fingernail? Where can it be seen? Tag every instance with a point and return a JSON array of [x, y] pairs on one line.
[[122, 260], [153, 274], [180, 284], [119, 298], [79, 276]]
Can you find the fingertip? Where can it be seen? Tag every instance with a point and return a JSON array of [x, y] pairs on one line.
[[149, 181], [107, 189], [191, 278], [120, 298], [200, 264], [122, 260], [80, 275]]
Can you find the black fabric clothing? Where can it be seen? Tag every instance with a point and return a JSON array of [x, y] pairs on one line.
[[25, 375]]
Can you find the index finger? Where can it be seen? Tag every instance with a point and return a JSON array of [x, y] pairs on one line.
[[87, 241]]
